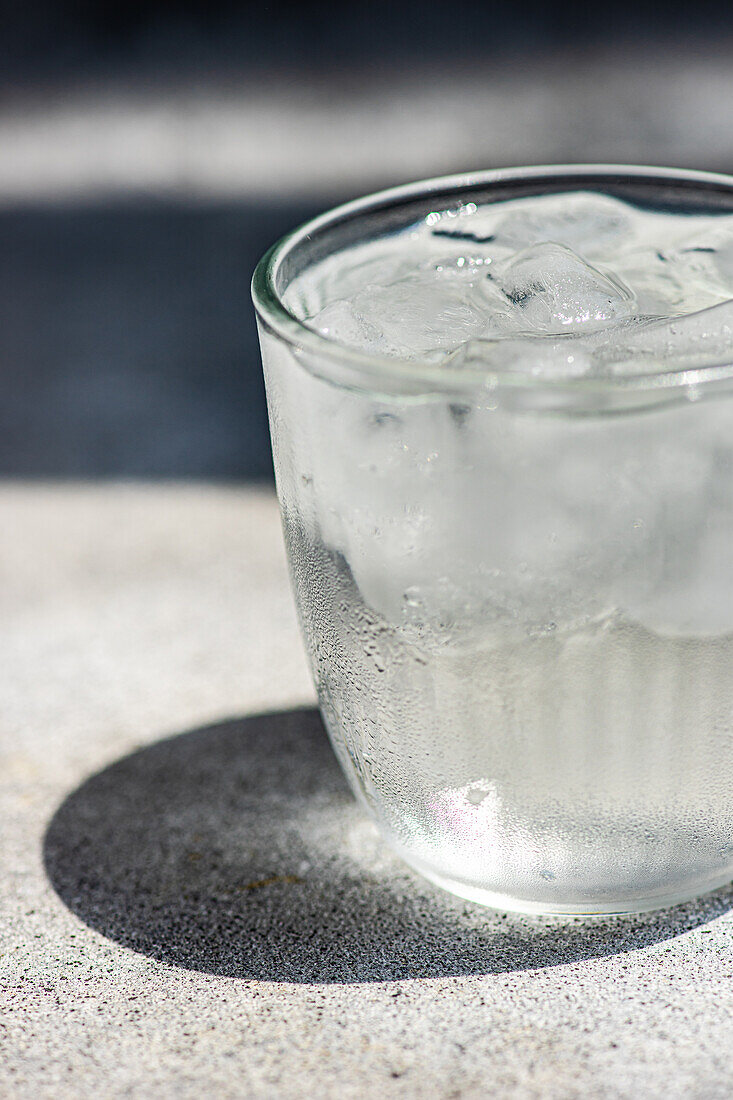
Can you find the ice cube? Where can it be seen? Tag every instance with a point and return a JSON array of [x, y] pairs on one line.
[[537, 356], [591, 223], [705, 260], [682, 274], [692, 595], [723, 256], [428, 309], [664, 286], [677, 343], [424, 311], [332, 280], [341, 322], [554, 290], [699, 604]]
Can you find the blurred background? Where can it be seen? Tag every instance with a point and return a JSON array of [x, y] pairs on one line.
[[151, 150]]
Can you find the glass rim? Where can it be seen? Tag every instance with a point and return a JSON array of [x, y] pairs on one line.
[[373, 370]]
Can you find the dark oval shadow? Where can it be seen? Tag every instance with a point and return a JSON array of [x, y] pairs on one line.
[[237, 850]]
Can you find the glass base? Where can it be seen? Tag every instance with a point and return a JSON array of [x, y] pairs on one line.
[[595, 908]]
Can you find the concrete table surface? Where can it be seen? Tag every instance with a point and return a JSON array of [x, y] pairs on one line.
[[193, 905]]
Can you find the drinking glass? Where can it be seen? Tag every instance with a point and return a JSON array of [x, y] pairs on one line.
[[516, 591]]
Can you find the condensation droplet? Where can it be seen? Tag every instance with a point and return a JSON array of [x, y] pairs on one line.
[[476, 796], [412, 596]]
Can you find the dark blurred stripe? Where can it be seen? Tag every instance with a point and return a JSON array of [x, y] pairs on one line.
[[52, 37], [127, 339]]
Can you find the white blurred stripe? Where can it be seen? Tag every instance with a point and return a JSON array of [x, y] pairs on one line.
[[339, 135]]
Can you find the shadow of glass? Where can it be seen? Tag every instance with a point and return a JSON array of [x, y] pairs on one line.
[[237, 850]]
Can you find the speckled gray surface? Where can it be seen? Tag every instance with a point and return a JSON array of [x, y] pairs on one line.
[[193, 904]]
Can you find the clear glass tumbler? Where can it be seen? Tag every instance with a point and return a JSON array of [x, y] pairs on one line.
[[516, 593]]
